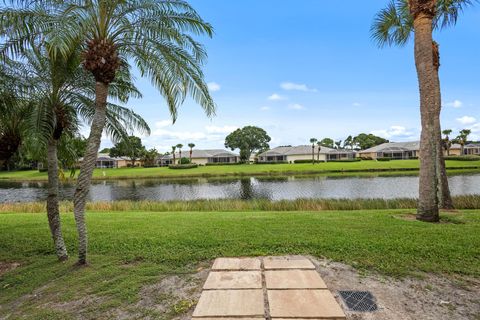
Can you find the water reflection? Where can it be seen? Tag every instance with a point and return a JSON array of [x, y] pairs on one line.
[[273, 188]]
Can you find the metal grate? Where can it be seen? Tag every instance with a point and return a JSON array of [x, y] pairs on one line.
[[362, 301]]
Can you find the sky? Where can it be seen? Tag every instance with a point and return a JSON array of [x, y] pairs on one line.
[[308, 68]]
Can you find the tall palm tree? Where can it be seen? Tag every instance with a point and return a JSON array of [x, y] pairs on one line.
[[394, 25], [155, 36], [179, 147], [173, 153], [191, 146], [447, 143], [319, 147], [313, 141], [61, 94], [462, 139]]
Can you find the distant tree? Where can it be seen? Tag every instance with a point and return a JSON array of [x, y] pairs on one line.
[[319, 145], [348, 142], [338, 144], [447, 143], [179, 147], [313, 141], [105, 150], [462, 139], [248, 139], [149, 157], [130, 147], [327, 142], [365, 141], [174, 148], [191, 146]]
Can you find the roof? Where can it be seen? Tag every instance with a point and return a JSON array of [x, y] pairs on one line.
[[399, 146], [473, 145], [301, 150], [106, 157], [197, 153]]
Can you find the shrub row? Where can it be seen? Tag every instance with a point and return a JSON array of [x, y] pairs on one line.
[[224, 164], [272, 162], [384, 159], [183, 166], [307, 161], [346, 160], [463, 158]]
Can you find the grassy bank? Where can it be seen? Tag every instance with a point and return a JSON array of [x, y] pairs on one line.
[[134, 249], [249, 170], [461, 202]]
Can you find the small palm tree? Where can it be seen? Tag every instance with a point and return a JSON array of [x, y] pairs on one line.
[[462, 139], [446, 140], [319, 147], [191, 146], [313, 141], [174, 148], [179, 147]]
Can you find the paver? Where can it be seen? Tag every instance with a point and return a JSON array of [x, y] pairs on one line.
[[236, 264], [234, 280], [316, 304], [230, 303], [287, 263], [294, 279]]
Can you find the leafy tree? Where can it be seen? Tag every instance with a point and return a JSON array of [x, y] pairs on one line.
[[447, 143], [154, 35], [105, 150], [462, 139], [366, 141], [179, 147], [348, 142], [313, 141], [149, 157], [327, 142], [394, 25], [191, 146], [248, 139], [338, 144], [130, 147]]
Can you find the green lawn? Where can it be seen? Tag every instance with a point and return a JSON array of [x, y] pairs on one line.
[[129, 250], [264, 169]]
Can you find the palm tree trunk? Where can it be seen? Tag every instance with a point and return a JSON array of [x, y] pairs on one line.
[[53, 212], [427, 209], [86, 169]]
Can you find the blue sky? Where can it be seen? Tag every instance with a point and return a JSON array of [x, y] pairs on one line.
[[308, 68]]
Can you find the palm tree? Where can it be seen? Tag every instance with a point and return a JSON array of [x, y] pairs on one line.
[[156, 36], [191, 146], [348, 142], [394, 26], [319, 147], [179, 147], [173, 153], [462, 139], [313, 141], [446, 140], [338, 144]]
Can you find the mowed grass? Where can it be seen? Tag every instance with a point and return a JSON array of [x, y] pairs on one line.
[[129, 250], [254, 169]]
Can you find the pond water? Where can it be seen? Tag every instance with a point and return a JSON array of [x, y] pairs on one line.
[[273, 188]]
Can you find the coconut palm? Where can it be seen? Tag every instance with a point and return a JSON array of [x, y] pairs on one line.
[[173, 153], [447, 143], [191, 146], [153, 35], [313, 141], [462, 139], [179, 147], [61, 94], [394, 25]]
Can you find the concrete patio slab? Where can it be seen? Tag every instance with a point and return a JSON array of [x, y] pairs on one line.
[[287, 263], [294, 279], [230, 303], [312, 304], [234, 280], [236, 264]]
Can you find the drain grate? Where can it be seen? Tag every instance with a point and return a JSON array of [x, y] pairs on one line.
[[362, 301]]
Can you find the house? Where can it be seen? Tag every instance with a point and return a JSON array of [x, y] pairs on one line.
[[201, 157], [400, 150], [105, 161], [472, 149], [290, 154]]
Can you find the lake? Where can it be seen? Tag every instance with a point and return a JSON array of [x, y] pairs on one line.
[[273, 188]]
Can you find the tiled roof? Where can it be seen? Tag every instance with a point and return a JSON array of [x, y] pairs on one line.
[[197, 153], [301, 150]]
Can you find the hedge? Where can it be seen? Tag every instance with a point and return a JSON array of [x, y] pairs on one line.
[[384, 159], [224, 164], [463, 158], [346, 160], [307, 161], [272, 162], [183, 166]]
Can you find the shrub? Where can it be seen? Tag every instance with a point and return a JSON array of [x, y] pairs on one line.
[[383, 159], [184, 160], [463, 158], [183, 166], [307, 161], [149, 166], [273, 162], [43, 170], [346, 160]]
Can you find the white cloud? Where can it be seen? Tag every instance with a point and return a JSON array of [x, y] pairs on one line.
[[213, 86], [296, 86], [455, 104], [296, 106], [265, 108], [466, 120], [393, 132], [276, 97], [224, 129], [163, 123], [356, 104]]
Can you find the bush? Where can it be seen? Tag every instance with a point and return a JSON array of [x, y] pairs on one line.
[[149, 166], [43, 170], [222, 164], [272, 162], [383, 159], [346, 160], [307, 161], [183, 166], [463, 158]]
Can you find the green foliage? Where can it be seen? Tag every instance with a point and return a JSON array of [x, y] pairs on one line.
[[248, 139], [183, 166], [346, 160], [327, 142], [306, 161], [384, 159], [463, 158], [184, 160], [149, 157], [213, 164], [130, 147], [365, 141]]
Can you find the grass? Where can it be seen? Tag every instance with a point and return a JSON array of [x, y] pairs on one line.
[[460, 202], [249, 170], [130, 250]]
